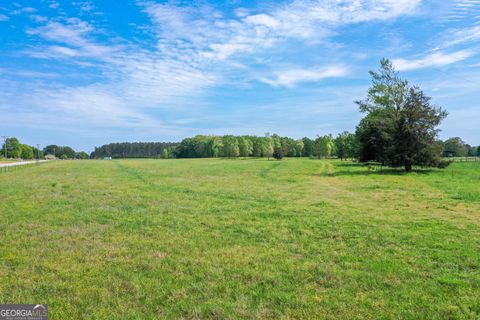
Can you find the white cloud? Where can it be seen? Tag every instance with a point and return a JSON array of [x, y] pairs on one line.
[[263, 20], [3, 17], [72, 33], [201, 30], [27, 73], [461, 36], [291, 77], [196, 49], [86, 6], [23, 10], [63, 51], [75, 34], [437, 59], [38, 18]]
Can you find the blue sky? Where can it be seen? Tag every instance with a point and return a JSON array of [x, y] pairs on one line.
[[85, 73]]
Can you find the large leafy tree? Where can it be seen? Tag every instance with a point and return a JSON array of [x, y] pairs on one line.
[[400, 126], [324, 146], [81, 155], [230, 147], [245, 146], [345, 145], [455, 147], [308, 147], [14, 148], [50, 149], [267, 147], [26, 152]]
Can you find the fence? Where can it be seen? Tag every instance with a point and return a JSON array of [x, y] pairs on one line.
[[463, 159], [14, 166]]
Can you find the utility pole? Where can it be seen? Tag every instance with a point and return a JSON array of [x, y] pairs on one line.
[[5, 145]]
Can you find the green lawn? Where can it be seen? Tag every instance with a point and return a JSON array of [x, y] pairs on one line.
[[218, 238]]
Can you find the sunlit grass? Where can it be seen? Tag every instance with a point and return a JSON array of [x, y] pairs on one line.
[[218, 238]]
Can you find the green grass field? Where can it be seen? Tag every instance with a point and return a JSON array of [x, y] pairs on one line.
[[221, 238]]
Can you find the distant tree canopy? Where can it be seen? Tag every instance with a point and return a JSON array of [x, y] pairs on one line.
[[325, 146], [238, 146], [26, 152], [14, 148], [456, 147], [135, 150], [61, 152], [81, 155], [472, 151], [344, 146], [400, 126], [18, 150], [278, 153], [202, 146]]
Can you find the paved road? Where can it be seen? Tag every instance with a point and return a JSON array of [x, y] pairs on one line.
[[20, 163]]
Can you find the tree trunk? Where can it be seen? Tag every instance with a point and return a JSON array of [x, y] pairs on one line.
[[408, 166]]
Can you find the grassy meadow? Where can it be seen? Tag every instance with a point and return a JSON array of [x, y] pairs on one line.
[[223, 238]]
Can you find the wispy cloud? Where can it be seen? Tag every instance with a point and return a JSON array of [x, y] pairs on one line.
[[74, 37], [204, 30], [291, 77], [196, 48], [462, 10], [463, 35], [437, 59]]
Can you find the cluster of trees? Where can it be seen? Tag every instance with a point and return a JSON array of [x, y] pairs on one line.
[[456, 147], [345, 145], [202, 146], [14, 149], [136, 150], [64, 152]]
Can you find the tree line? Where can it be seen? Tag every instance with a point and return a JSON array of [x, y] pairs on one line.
[[136, 150], [345, 145], [399, 129], [13, 149], [210, 146]]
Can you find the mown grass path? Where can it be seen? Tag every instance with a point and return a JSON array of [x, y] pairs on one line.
[[221, 238]]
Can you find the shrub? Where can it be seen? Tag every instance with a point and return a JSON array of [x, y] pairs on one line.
[[442, 164], [278, 153]]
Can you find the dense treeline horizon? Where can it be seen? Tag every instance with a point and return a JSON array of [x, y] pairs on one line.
[[135, 150], [12, 148], [344, 145], [209, 146]]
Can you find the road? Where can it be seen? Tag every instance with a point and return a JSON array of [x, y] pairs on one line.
[[20, 163]]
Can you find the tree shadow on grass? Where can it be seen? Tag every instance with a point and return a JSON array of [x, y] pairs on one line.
[[360, 169]]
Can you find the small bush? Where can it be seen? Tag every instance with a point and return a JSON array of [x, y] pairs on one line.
[[278, 153], [442, 164]]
